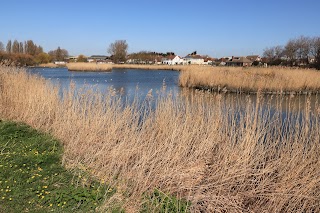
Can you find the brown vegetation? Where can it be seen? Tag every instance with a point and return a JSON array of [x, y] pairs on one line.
[[253, 162], [82, 66], [107, 67], [237, 79], [50, 65]]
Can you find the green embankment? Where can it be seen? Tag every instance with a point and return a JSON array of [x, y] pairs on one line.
[[32, 178]]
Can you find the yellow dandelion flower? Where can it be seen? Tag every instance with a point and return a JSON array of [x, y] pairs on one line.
[[42, 197], [10, 198], [50, 204], [45, 187], [3, 198], [64, 202]]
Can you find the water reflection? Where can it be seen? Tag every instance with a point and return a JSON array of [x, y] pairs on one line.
[[149, 84], [128, 82]]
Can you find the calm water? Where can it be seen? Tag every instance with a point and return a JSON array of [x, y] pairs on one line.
[[133, 82], [128, 81]]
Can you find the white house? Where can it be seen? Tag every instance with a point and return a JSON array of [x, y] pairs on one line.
[[173, 60], [193, 59]]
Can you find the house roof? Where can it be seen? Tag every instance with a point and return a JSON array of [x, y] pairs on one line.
[[170, 57], [252, 57], [194, 56], [98, 57], [239, 60]]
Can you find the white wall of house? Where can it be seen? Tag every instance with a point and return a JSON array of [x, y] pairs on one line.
[[189, 60], [175, 61]]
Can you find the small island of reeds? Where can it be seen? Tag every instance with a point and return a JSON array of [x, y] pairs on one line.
[[273, 80]]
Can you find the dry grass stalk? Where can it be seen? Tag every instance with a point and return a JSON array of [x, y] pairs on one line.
[[218, 155], [251, 79]]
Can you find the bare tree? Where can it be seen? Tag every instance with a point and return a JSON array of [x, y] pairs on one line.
[[30, 48], [82, 58], [274, 54], [58, 54], [15, 47], [9, 46], [118, 51], [21, 47], [303, 49], [1, 47], [315, 51], [291, 51]]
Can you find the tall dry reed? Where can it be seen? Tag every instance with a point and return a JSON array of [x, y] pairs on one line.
[[221, 156], [251, 79], [81, 66]]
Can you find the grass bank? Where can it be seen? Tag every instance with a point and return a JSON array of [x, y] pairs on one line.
[[219, 156], [32, 178], [273, 80]]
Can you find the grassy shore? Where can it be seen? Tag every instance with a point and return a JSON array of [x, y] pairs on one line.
[[32, 178], [219, 156], [250, 80]]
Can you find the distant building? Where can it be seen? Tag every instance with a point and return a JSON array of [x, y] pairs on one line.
[[98, 58], [172, 60], [254, 58], [60, 62], [193, 59], [239, 62]]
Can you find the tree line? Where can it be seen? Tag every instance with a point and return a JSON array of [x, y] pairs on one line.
[[302, 51], [28, 53]]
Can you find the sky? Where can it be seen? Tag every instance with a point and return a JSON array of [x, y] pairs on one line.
[[214, 28]]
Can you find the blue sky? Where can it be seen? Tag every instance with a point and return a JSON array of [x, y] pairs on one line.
[[215, 28]]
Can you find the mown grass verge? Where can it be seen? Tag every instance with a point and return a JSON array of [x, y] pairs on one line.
[[32, 178]]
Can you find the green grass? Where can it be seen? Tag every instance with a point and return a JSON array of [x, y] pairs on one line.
[[161, 202], [32, 178]]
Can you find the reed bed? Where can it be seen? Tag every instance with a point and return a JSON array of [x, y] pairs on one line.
[[50, 65], [82, 66], [148, 67], [237, 79], [220, 156]]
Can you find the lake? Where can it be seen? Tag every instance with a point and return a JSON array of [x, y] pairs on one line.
[[137, 82], [129, 82]]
